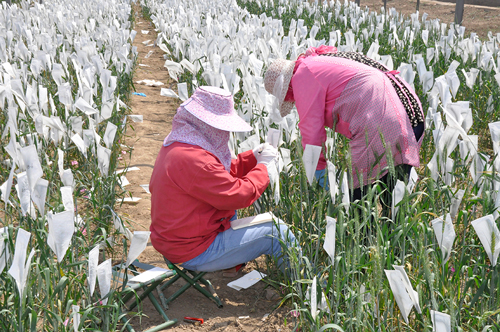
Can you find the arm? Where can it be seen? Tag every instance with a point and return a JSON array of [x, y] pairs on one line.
[[215, 186], [244, 163], [310, 99]]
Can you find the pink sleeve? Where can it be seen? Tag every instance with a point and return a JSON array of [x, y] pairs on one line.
[[310, 99]]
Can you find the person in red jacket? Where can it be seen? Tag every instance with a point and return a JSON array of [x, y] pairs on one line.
[[196, 188]]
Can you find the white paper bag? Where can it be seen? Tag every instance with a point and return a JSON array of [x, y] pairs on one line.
[[104, 272], [137, 246], [445, 235], [32, 163], [61, 230], [109, 134], [39, 195], [310, 159], [485, 228], [93, 261], [20, 267], [329, 244]]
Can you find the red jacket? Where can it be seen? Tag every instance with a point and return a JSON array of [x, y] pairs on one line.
[[193, 197]]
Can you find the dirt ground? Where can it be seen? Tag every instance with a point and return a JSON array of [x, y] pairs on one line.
[[243, 310], [478, 19]]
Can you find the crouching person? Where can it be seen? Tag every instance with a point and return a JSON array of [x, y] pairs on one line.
[[196, 188]]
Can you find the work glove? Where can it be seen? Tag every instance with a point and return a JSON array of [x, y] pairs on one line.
[[266, 155], [258, 149]]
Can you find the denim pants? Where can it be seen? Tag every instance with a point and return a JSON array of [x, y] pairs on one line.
[[233, 247]]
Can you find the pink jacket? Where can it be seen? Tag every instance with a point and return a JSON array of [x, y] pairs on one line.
[[364, 105]]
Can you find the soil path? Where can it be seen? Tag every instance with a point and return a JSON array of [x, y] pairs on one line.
[[244, 310], [478, 19]]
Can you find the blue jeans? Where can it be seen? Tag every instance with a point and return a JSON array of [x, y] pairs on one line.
[[234, 247]]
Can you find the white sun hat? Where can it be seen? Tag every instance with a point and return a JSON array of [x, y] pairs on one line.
[[276, 81], [215, 107]]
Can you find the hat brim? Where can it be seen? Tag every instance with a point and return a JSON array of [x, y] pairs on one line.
[[230, 122]]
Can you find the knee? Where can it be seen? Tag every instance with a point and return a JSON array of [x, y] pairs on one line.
[[286, 235]]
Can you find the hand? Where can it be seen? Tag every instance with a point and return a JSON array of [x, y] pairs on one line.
[[258, 149], [267, 155]]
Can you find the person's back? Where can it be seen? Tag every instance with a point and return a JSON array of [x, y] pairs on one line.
[[182, 225]]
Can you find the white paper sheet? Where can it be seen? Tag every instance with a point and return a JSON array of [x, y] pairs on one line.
[[136, 117], [168, 93], [485, 227], [39, 195], [401, 295], [247, 280], [329, 244], [93, 261], [76, 317], [413, 180], [7, 186], [310, 159], [68, 179], [104, 272], [332, 180], [252, 220], [109, 135], [85, 107], [145, 187], [455, 203], [183, 91], [274, 137], [441, 322], [397, 196], [4, 248], [79, 144], [130, 200], [128, 169], [61, 230], [20, 267], [67, 198], [23, 192], [123, 181], [137, 246], [445, 235], [103, 155], [148, 275], [32, 163], [314, 299]]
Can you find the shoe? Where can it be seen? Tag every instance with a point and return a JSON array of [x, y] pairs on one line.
[[232, 272]]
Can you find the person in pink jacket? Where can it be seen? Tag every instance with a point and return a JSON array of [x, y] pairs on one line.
[[360, 99]]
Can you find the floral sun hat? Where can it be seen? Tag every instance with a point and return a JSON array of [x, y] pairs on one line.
[[215, 107], [277, 80]]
